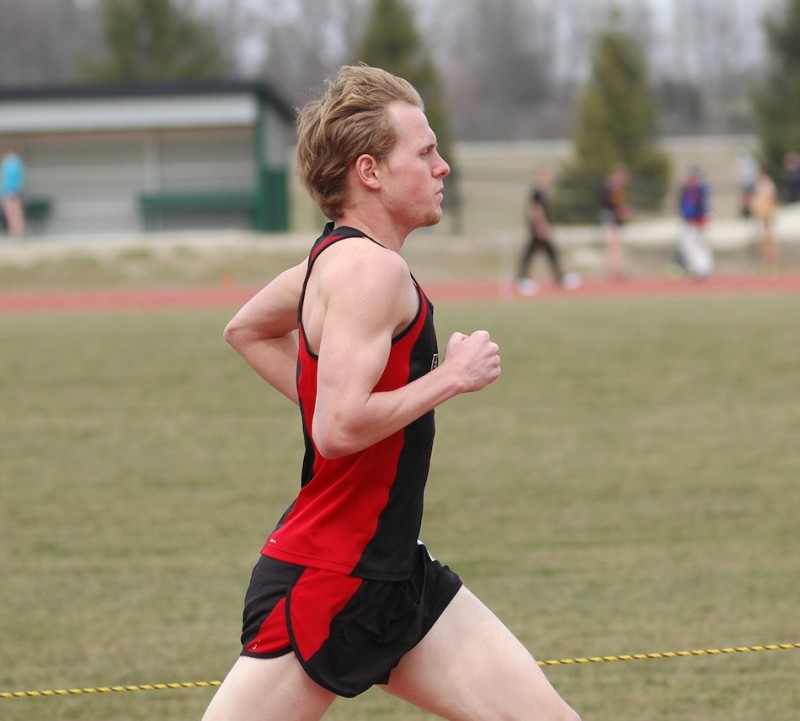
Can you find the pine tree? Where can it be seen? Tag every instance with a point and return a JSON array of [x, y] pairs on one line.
[[155, 40], [391, 42], [616, 123], [777, 101]]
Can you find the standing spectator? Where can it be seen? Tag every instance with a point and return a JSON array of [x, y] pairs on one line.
[[746, 175], [693, 254], [540, 239], [11, 187], [791, 177], [614, 214], [764, 205]]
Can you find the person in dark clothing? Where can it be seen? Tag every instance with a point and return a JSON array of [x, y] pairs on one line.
[[540, 239], [791, 178], [614, 213]]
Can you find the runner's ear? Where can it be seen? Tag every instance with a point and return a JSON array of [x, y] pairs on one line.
[[367, 171]]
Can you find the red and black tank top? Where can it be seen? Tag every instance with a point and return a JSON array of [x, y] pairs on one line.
[[361, 514]]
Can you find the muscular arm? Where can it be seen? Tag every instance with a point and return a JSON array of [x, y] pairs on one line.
[[367, 299], [263, 331]]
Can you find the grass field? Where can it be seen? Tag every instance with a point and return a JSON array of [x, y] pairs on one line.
[[629, 485]]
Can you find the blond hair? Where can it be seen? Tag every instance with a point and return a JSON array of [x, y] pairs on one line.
[[349, 120]]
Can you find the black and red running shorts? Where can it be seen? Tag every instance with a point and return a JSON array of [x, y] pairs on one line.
[[348, 633]]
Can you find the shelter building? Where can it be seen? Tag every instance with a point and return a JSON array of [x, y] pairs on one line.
[[206, 154]]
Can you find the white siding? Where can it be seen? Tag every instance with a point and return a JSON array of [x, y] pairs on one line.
[[94, 156], [94, 180], [218, 159], [129, 113]]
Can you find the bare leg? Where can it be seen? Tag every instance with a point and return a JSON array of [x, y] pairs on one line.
[[268, 689], [15, 217], [769, 248], [614, 252], [470, 667]]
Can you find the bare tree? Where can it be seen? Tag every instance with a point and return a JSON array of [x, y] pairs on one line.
[[41, 40], [717, 48], [300, 54], [510, 68], [496, 61]]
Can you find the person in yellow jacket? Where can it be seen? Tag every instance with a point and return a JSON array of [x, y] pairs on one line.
[[763, 206]]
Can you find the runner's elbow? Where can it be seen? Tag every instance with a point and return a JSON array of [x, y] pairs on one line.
[[231, 332], [332, 440], [330, 447], [237, 334]]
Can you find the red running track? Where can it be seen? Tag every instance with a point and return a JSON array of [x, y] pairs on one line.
[[234, 296]]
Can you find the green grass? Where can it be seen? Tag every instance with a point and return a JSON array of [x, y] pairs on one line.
[[629, 485]]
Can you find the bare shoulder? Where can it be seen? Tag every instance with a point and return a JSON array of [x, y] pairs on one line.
[[363, 267], [363, 285]]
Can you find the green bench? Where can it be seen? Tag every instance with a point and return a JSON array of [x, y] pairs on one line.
[[37, 210], [153, 205]]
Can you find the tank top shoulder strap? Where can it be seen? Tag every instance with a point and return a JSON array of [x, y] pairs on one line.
[[329, 236], [333, 235]]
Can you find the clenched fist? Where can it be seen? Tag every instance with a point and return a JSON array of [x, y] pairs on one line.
[[474, 359]]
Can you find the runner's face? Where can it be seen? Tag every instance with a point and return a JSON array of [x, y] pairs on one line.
[[415, 172]]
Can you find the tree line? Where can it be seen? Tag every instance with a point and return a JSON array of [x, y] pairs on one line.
[[509, 69]]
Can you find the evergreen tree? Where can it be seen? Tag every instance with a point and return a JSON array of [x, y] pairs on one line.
[[616, 124], [391, 42], [777, 101], [156, 40]]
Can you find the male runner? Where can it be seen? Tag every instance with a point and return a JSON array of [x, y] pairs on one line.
[[343, 596]]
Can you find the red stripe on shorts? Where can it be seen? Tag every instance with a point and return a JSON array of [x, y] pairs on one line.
[[317, 597], [273, 636]]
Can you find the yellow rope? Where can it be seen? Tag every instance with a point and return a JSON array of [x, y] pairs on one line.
[[671, 654], [551, 662], [108, 689]]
